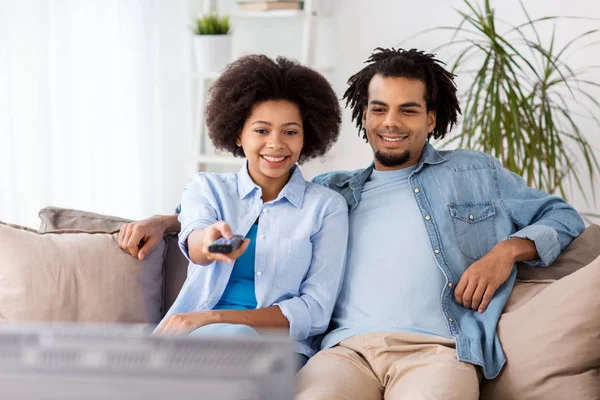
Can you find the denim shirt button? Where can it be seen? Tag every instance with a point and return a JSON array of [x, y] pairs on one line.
[[427, 218], [417, 190], [450, 319], [449, 284], [436, 251]]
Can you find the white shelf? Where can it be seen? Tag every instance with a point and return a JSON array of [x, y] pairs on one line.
[[220, 160]]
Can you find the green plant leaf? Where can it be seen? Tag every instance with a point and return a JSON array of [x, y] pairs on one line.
[[524, 104], [211, 24]]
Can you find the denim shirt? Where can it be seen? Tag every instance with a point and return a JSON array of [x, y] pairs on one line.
[[469, 203], [300, 248]]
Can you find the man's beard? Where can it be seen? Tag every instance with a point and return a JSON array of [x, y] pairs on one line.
[[391, 160]]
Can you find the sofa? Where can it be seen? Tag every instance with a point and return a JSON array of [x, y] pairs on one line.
[[71, 269]]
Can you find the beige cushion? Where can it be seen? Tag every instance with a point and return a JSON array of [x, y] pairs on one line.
[[55, 218], [76, 276], [582, 251], [551, 341], [175, 266]]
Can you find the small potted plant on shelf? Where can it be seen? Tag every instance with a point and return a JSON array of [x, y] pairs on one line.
[[212, 42]]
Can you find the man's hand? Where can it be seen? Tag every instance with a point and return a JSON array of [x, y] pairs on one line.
[[199, 241], [147, 234], [183, 324], [481, 280]]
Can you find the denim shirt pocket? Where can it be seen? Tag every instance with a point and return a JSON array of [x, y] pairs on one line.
[[293, 258], [474, 227]]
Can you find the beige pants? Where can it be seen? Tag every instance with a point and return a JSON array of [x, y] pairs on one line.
[[391, 366]]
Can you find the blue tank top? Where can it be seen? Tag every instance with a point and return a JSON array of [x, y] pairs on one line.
[[239, 293]]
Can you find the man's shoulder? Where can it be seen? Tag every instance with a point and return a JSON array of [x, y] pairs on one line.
[[462, 159], [324, 195], [334, 179]]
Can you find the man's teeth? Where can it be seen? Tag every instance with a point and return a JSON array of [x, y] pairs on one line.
[[274, 159], [393, 139]]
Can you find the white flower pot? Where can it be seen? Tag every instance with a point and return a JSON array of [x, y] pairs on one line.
[[213, 52]]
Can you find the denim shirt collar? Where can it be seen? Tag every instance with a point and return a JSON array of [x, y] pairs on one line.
[[293, 191], [430, 156]]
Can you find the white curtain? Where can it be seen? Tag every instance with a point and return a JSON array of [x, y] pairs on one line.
[[94, 106]]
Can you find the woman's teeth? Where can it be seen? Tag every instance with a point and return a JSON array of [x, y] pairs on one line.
[[274, 159]]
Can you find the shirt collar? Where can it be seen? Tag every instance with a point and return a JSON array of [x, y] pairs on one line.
[[430, 156], [245, 183], [293, 191]]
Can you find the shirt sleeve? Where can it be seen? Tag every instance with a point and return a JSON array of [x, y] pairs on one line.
[[196, 211], [546, 220], [310, 312]]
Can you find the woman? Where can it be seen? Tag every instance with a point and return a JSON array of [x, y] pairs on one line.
[[288, 271]]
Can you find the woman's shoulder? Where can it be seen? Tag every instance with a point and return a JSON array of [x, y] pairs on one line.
[[324, 195], [213, 180]]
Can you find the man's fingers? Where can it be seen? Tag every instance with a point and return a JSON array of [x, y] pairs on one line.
[[468, 293], [122, 235], [478, 296], [148, 247], [137, 235], [460, 289], [126, 239], [487, 297]]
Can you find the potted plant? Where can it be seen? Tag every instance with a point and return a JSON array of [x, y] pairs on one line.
[[525, 104], [212, 42]]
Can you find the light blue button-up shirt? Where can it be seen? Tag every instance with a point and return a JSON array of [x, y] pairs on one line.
[[300, 247], [469, 203]]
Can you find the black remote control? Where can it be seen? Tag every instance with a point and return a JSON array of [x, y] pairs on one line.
[[225, 246]]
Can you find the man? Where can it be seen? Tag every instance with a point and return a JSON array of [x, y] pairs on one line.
[[434, 238]]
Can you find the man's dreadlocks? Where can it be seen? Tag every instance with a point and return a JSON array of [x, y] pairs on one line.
[[440, 93]]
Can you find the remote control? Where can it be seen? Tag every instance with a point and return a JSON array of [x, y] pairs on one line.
[[225, 246]]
